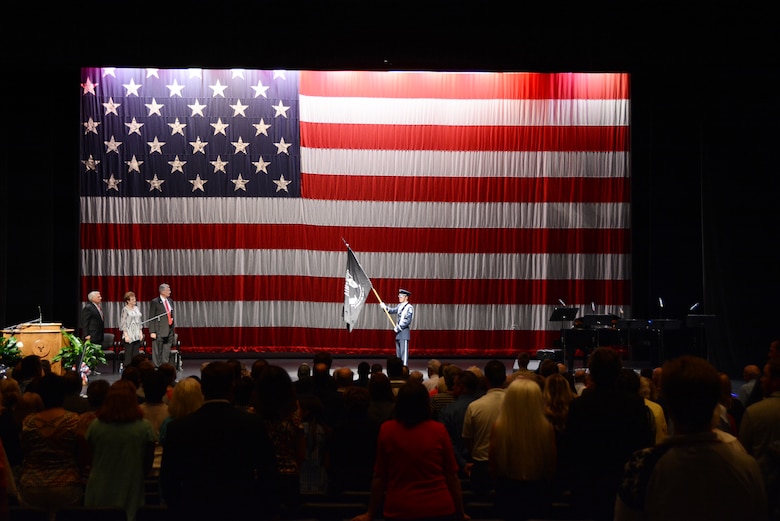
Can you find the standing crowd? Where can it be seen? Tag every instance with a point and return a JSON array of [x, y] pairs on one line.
[[604, 442]]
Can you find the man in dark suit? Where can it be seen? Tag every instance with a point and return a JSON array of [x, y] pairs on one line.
[[219, 462], [92, 323], [161, 328]]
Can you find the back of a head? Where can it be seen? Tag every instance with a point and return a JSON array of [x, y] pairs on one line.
[[217, 380], [691, 389], [120, 404], [548, 367], [379, 387], [304, 371], [523, 397], [495, 373], [523, 359], [364, 369], [323, 357], [51, 388], [629, 380], [187, 397], [73, 382], [433, 367], [376, 368], [395, 368], [468, 381], [30, 367], [604, 366], [275, 395], [450, 372], [155, 384], [96, 393], [412, 405], [344, 377]]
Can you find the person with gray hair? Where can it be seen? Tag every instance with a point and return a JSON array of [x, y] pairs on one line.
[[161, 326], [92, 322]]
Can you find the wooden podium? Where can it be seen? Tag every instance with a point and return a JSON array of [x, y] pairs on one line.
[[44, 340]]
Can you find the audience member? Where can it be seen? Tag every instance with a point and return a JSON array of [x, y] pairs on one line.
[[276, 404], [433, 375], [96, 395], [580, 381], [381, 398], [750, 374], [660, 426], [187, 398], [10, 430], [314, 478], [218, 462], [257, 366], [122, 445], [759, 433], [30, 371], [73, 400], [452, 415], [605, 426], [728, 412], [395, 371], [698, 472], [376, 368], [758, 390], [415, 474], [363, 374], [445, 395], [50, 477], [523, 359], [244, 389], [352, 443], [522, 453], [557, 399], [477, 424], [155, 410]]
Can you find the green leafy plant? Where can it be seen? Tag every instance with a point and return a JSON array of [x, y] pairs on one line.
[[70, 354], [10, 351]]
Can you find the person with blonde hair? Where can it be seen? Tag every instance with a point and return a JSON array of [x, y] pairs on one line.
[[187, 397], [522, 455]]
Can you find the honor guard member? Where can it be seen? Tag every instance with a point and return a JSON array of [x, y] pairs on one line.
[[405, 312]]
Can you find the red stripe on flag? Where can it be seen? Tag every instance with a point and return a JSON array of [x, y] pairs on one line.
[[465, 86], [325, 238], [459, 138], [326, 289], [460, 189]]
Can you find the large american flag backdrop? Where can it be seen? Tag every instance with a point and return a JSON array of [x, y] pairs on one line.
[[490, 196]]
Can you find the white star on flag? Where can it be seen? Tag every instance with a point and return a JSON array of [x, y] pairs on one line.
[[91, 163], [218, 89], [240, 145], [260, 89], [197, 183], [236, 73], [134, 164], [281, 184], [89, 87], [112, 145], [177, 128], [281, 147], [152, 72], [132, 87], [134, 127], [240, 183], [109, 71], [280, 109], [154, 107], [219, 165], [155, 184], [91, 126], [219, 127], [155, 146], [111, 107], [175, 89], [261, 165], [177, 165], [112, 182], [197, 108], [279, 74], [198, 146], [238, 108], [262, 127]]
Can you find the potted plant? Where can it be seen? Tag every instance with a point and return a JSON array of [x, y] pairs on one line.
[[71, 353], [10, 353]]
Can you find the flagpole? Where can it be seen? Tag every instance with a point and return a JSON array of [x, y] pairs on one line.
[[384, 308]]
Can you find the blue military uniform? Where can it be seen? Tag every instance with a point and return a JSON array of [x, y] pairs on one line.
[[405, 312]]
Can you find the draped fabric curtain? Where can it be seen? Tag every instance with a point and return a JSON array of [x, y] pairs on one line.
[[490, 196]]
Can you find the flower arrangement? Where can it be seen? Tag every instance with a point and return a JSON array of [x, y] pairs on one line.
[[70, 355]]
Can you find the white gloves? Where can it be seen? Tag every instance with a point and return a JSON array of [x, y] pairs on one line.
[[397, 329], [383, 306]]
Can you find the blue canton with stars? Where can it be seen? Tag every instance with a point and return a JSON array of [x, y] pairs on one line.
[[189, 133]]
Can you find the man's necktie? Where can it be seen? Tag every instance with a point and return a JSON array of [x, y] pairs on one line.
[[168, 312]]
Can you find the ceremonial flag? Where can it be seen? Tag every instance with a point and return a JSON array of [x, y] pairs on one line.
[[357, 286], [488, 195]]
